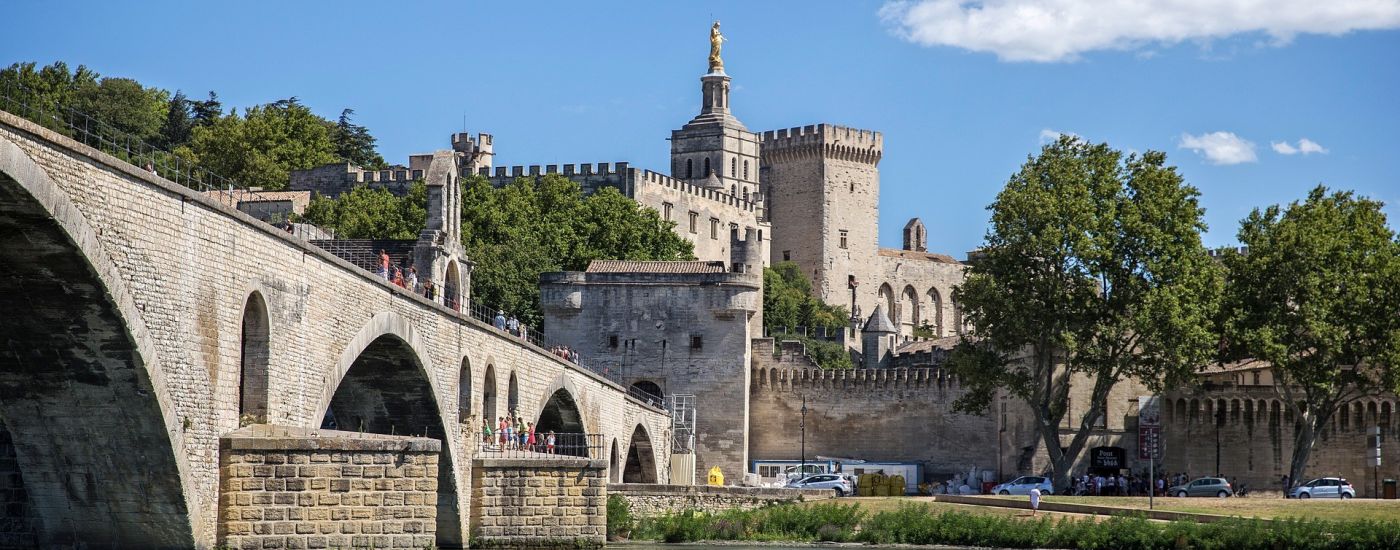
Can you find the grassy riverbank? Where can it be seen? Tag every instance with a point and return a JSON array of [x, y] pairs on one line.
[[920, 523]]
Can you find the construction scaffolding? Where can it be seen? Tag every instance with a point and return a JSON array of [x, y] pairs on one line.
[[682, 407]]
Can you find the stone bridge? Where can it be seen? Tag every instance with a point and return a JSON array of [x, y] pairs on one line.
[[141, 321]]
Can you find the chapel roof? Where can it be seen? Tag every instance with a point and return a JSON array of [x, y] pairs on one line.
[[627, 266]]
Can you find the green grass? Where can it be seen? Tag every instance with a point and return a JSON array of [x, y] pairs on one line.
[[1263, 508], [926, 523]]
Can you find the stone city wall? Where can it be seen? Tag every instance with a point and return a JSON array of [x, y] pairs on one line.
[[528, 503], [1253, 431], [656, 191], [648, 500], [300, 488], [872, 414]]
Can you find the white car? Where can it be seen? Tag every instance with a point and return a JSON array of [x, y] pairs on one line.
[[1327, 487], [836, 482], [1023, 485]]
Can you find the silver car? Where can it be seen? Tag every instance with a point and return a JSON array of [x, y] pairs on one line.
[[1203, 487], [1327, 487], [1023, 485], [835, 482]]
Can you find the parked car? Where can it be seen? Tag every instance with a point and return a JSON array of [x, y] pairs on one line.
[[1023, 485], [836, 482], [1326, 487], [1203, 487]]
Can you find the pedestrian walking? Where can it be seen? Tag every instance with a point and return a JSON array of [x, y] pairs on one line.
[[1035, 499]]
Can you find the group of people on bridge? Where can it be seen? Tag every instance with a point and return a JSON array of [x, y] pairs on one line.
[[514, 433]]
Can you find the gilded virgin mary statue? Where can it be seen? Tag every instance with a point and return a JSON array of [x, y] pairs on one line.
[[716, 41]]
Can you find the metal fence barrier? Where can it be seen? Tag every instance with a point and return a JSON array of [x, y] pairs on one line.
[[545, 446]]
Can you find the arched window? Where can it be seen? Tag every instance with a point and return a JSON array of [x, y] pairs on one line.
[[513, 397], [707, 168], [733, 167], [732, 190], [746, 170], [689, 169]]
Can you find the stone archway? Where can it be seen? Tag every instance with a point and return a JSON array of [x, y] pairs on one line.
[[614, 464], [513, 396], [908, 311], [935, 311], [452, 289], [253, 361], [489, 408], [464, 392], [886, 297], [641, 464], [560, 415], [387, 390], [83, 395]]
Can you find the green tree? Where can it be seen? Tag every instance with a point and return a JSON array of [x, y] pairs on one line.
[[354, 143], [178, 122], [538, 225], [366, 213], [259, 148], [788, 303], [1093, 271], [51, 89], [125, 105], [1316, 294]]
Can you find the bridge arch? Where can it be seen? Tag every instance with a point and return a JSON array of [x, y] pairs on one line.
[[388, 388], [490, 410], [513, 396], [464, 392], [86, 348], [641, 463], [614, 464], [254, 353], [561, 416]]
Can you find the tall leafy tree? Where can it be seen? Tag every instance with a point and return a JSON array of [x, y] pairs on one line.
[[178, 122], [366, 213], [125, 105], [788, 303], [1316, 294], [537, 225], [259, 148], [1093, 272], [354, 142], [208, 111]]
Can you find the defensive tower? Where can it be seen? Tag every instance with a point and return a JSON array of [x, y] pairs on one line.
[[821, 187]]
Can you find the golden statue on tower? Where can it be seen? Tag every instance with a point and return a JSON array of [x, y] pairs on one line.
[[716, 41]]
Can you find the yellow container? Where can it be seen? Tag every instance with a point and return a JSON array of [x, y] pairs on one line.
[[896, 486], [882, 490], [866, 490]]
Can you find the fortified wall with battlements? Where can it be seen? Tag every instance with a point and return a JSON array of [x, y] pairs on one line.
[[704, 216], [901, 415]]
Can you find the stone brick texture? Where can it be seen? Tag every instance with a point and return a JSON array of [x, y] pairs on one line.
[[180, 269], [525, 503], [326, 490]]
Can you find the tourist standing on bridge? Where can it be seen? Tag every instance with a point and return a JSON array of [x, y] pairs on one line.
[[549, 442], [384, 264], [486, 438], [513, 326], [530, 442], [500, 321]]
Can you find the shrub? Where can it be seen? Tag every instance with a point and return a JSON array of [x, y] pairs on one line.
[[619, 518]]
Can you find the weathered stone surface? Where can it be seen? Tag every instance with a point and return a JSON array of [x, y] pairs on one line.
[[161, 279], [522, 503]]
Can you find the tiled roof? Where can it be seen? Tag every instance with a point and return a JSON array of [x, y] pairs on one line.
[[915, 346], [625, 266], [916, 255]]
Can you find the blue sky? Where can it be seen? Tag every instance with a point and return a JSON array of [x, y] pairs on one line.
[[963, 92]]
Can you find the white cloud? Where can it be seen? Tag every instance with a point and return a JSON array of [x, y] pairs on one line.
[[1220, 147], [1047, 135], [1061, 30], [1305, 146]]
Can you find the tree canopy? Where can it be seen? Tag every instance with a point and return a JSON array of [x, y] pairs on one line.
[[366, 213], [255, 149], [1092, 272], [788, 303], [1315, 294], [538, 225]]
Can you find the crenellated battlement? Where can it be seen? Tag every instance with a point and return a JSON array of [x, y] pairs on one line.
[[619, 175], [826, 140], [798, 378]]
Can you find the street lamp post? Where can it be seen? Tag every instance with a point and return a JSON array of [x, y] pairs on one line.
[[802, 470]]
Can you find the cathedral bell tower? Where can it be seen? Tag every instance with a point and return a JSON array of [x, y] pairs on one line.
[[714, 150]]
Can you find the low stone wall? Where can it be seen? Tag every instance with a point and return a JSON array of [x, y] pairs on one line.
[[300, 488], [539, 503], [647, 500]]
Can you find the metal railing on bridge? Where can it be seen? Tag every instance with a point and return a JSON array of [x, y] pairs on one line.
[[19, 100], [540, 446]]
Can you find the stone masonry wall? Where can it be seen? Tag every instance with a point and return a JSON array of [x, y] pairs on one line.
[[1255, 431], [299, 488], [871, 414], [524, 503], [181, 269], [647, 500]]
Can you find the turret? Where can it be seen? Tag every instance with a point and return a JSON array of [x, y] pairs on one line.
[[475, 153], [877, 339]]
